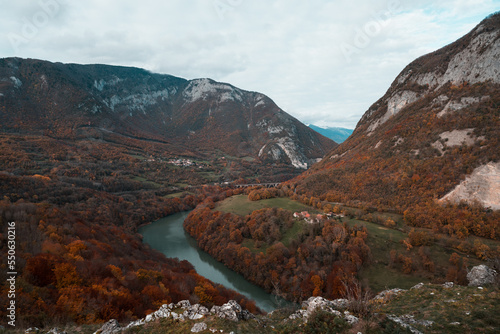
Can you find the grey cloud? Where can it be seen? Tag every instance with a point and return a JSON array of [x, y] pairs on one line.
[[287, 49]]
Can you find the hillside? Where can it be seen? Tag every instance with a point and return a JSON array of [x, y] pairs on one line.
[[435, 129], [200, 117], [441, 309]]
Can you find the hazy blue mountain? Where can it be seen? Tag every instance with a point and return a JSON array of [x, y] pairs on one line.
[[338, 135]]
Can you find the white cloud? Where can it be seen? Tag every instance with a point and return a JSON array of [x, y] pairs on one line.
[[287, 49]]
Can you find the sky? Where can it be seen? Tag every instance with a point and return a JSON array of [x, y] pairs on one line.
[[322, 61]]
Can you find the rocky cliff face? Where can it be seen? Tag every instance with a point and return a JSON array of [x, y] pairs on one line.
[[472, 59], [483, 186], [436, 124], [202, 115]]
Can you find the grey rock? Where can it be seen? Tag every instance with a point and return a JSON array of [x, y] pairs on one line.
[[199, 327], [56, 330], [189, 314], [200, 309], [481, 275], [417, 286], [350, 318], [298, 315], [110, 327], [388, 294], [32, 330], [401, 322], [231, 310], [448, 285], [136, 323], [314, 303], [340, 303], [407, 320], [162, 312], [177, 316], [196, 311], [246, 315], [184, 304]]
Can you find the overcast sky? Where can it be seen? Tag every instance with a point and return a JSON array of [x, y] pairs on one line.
[[323, 61]]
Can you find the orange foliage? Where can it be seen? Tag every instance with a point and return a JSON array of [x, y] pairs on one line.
[[318, 248]]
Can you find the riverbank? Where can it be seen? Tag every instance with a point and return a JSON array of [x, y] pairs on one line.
[[167, 235]]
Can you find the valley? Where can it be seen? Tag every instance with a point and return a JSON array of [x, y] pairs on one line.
[[378, 234]]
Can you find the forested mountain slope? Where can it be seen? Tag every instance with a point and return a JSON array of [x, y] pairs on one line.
[[199, 116], [437, 125]]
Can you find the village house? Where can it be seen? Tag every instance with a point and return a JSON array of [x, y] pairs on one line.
[[311, 219]]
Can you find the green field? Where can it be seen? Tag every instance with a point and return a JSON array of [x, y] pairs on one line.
[[241, 205], [381, 240], [146, 182], [292, 233], [178, 194]]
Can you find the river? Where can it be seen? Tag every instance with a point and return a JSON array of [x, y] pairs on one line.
[[167, 235]]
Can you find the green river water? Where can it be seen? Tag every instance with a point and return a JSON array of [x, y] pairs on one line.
[[168, 236]]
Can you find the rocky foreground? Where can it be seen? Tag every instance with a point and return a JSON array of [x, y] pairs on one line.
[[425, 308]]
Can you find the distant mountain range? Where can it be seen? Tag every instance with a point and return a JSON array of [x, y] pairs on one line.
[[198, 116], [338, 135]]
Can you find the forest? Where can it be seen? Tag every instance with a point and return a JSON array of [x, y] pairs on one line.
[[335, 253], [319, 261], [79, 258], [77, 199]]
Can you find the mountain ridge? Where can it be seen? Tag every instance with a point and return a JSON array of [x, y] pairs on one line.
[[436, 124], [201, 114], [470, 59], [337, 134]]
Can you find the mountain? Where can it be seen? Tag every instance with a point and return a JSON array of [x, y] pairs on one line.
[[201, 116], [338, 135], [433, 137]]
